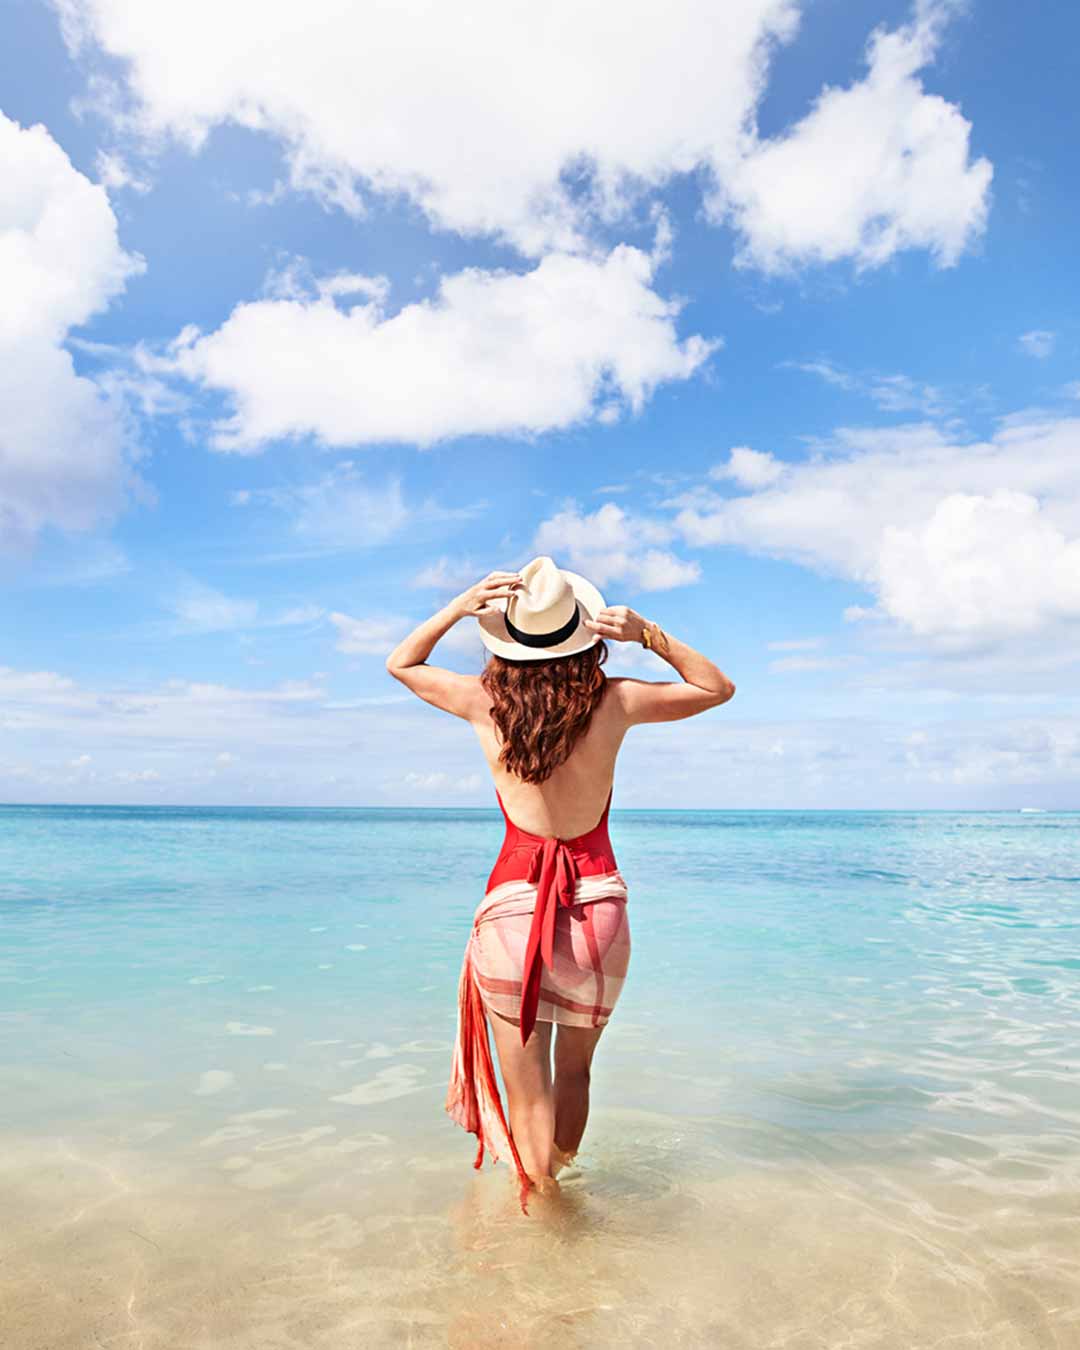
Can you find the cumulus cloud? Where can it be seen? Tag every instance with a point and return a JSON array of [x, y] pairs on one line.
[[444, 109], [979, 564], [65, 445], [611, 546], [445, 106], [873, 168], [749, 468], [962, 543], [493, 353]]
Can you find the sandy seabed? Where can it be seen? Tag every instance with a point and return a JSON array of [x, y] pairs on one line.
[[319, 1239]]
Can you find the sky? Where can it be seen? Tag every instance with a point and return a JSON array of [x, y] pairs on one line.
[[761, 316]]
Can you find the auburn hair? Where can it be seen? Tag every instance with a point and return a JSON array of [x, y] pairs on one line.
[[541, 708]]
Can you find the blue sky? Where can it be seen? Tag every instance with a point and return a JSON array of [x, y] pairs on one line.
[[764, 320]]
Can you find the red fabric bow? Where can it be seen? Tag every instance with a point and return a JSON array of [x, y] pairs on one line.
[[552, 867]]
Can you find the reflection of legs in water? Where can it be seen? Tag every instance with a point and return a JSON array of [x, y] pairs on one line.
[[526, 1073], [574, 1047]]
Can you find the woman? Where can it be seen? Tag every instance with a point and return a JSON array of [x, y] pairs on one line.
[[550, 943]]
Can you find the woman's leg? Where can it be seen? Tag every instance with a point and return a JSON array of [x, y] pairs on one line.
[[526, 1073], [599, 936], [574, 1047]]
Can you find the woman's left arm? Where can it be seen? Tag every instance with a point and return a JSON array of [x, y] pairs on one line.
[[461, 695]]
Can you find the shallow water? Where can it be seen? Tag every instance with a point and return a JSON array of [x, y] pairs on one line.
[[838, 1103]]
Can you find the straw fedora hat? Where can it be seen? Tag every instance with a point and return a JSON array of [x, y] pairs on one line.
[[545, 618]]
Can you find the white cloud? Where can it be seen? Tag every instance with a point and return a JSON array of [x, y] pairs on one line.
[[900, 393], [451, 574], [960, 543], [199, 608], [463, 641], [113, 172], [202, 609], [749, 468], [341, 511], [631, 658], [873, 168], [481, 117], [287, 742], [144, 776], [38, 704], [293, 745], [543, 132], [127, 377], [369, 637], [438, 781], [65, 445], [1038, 343], [981, 564], [892, 393], [77, 560], [610, 545], [493, 353], [827, 371]]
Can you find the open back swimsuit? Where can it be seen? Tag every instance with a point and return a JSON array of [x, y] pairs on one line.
[[550, 942]]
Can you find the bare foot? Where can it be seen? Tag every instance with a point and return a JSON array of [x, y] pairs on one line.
[[559, 1159]]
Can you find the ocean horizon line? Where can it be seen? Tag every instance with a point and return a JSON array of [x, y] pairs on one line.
[[637, 810]]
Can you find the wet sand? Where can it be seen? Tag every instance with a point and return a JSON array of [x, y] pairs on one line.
[[323, 1239]]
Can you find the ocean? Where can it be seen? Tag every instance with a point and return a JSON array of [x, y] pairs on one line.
[[838, 1103]]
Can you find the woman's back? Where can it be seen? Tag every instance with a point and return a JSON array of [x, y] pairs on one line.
[[572, 799]]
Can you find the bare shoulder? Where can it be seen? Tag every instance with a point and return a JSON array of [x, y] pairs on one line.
[[661, 700]]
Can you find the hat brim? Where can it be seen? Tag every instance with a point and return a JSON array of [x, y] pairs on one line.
[[494, 636]]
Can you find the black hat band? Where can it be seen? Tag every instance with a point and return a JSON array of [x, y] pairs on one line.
[[544, 639]]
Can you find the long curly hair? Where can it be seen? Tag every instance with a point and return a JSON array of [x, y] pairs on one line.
[[542, 708]]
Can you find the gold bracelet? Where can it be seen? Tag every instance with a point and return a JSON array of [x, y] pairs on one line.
[[654, 642]]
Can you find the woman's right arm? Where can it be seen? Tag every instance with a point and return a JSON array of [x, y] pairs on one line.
[[704, 684]]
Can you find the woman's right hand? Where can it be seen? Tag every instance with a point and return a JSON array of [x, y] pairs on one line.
[[476, 600], [618, 623]]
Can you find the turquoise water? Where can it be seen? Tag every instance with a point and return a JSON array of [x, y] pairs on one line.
[[845, 1007]]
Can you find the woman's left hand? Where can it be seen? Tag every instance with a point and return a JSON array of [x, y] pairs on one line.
[[476, 600]]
